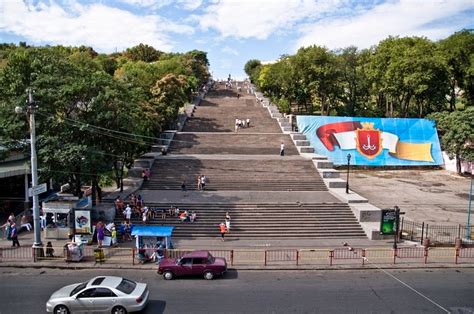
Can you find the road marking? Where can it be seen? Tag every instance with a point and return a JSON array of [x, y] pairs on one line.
[[407, 285]]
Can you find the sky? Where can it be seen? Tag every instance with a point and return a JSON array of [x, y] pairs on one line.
[[230, 31]]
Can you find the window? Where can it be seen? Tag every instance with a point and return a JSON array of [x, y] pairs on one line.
[[103, 293], [97, 281], [126, 286], [89, 293], [78, 288], [186, 261], [199, 261]]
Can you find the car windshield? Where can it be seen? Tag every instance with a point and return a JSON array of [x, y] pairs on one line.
[[126, 286], [78, 288]]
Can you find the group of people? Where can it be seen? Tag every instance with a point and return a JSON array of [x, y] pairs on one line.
[[242, 123], [11, 229], [135, 206], [201, 182], [224, 227], [186, 216]]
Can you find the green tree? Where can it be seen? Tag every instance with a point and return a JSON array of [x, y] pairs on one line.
[[409, 77], [457, 133], [458, 53], [143, 53], [252, 68]]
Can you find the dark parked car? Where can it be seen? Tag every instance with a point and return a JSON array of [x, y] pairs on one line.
[[200, 263]]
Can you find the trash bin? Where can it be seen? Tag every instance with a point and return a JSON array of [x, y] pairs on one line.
[[99, 255]]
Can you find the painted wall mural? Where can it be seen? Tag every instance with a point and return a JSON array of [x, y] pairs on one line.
[[373, 141]]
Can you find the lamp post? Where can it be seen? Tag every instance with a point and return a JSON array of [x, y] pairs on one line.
[[30, 110], [397, 222], [348, 169], [468, 226]]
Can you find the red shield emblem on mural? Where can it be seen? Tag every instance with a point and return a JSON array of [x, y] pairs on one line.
[[369, 141]]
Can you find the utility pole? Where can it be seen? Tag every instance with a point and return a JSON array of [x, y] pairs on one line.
[[30, 110], [468, 226]]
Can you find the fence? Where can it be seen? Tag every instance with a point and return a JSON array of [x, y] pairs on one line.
[[438, 234], [258, 257]]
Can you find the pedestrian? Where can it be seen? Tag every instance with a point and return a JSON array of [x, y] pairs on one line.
[[12, 218], [163, 214], [49, 249], [128, 213], [144, 175], [43, 220], [227, 221], [183, 185], [203, 182], [14, 235], [282, 149], [222, 229], [114, 237], [248, 122], [237, 123], [199, 187], [25, 223], [100, 233]]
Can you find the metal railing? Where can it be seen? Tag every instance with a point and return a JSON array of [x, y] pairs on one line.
[[257, 257], [437, 234]]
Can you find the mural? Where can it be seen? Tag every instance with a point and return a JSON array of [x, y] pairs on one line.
[[373, 141]]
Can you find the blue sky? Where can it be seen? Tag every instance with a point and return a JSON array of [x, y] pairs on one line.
[[231, 31]]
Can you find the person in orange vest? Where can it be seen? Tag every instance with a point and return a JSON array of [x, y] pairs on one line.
[[223, 230]]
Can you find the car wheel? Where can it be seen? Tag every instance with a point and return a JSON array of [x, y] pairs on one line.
[[119, 310], [168, 275], [61, 309], [208, 275]]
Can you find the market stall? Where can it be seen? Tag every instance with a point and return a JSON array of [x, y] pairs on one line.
[[153, 236], [57, 219]]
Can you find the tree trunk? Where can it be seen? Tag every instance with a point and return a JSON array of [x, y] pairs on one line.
[[77, 178], [94, 191], [458, 164]]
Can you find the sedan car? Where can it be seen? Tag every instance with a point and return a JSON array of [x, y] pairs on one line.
[[100, 294], [197, 263]]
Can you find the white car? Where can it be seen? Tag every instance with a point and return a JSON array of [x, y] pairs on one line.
[[107, 294]]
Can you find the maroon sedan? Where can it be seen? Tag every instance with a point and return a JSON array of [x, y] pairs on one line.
[[200, 263]]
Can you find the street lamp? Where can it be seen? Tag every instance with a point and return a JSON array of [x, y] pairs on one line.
[[30, 111], [348, 169], [468, 226], [397, 222]]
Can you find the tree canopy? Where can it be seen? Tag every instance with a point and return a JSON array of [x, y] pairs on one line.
[[93, 109]]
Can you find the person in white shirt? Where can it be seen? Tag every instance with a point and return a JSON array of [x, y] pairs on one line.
[[128, 213], [282, 149]]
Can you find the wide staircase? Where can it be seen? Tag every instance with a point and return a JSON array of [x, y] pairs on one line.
[[263, 220], [239, 162]]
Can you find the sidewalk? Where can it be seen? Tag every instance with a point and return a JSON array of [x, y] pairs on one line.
[[314, 255]]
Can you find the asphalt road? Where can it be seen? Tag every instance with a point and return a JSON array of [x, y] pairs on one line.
[[348, 291]]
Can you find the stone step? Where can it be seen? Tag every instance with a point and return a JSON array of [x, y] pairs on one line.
[[324, 165], [306, 150], [298, 136], [302, 143]]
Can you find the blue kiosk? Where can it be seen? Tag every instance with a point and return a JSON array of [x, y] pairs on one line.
[[153, 236]]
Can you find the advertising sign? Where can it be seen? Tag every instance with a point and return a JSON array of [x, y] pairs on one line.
[[82, 221], [388, 221], [373, 141]]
